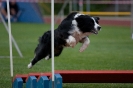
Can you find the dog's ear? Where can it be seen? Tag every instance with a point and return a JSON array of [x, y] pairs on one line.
[[97, 18], [80, 18]]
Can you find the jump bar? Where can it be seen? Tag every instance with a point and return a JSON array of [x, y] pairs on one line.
[[111, 76], [108, 13], [88, 76]]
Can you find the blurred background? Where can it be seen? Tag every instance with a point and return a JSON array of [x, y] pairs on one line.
[[111, 49], [39, 10]]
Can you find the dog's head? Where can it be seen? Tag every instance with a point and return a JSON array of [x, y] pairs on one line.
[[87, 23]]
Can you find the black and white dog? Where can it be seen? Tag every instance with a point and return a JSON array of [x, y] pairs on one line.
[[76, 27]]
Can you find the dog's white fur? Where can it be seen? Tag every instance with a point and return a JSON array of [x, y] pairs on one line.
[[71, 41], [29, 65], [47, 57], [85, 44], [77, 15], [78, 36], [96, 25]]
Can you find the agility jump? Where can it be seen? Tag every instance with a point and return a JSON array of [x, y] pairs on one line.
[[43, 80]]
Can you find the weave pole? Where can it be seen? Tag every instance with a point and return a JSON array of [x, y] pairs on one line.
[[10, 40], [52, 39], [132, 19]]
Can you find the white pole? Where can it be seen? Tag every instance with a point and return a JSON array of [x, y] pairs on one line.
[[52, 39], [81, 5], [70, 6], [88, 5], [116, 7], [132, 18], [62, 15], [10, 40], [62, 9]]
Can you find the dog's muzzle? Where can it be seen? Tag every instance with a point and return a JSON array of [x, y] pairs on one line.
[[99, 28], [95, 31]]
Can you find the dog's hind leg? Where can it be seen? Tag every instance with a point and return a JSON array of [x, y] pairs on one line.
[[30, 64], [35, 60], [40, 53]]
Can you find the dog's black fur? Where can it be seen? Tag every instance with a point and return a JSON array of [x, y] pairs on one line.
[[61, 34]]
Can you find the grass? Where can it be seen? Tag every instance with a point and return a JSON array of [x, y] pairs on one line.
[[111, 49]]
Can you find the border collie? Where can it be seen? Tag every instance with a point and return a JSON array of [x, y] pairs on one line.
[[76, 27]]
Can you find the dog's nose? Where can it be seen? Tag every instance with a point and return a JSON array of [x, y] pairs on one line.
[[99, 27]]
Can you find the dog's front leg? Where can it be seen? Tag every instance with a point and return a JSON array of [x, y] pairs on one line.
[[85, 44], [71, 41]]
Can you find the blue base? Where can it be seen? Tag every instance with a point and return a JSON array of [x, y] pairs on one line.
[[18, 83], [43, 82], [57, 81], [31, 82]]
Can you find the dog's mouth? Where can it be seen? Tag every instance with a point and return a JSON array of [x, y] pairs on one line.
[[94, 31]]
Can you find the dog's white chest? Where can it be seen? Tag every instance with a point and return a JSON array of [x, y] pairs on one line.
[[79, 35]]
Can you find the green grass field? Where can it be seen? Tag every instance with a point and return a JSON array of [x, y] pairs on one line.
[[111, 49]]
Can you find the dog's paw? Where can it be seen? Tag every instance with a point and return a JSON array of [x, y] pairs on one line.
[[47, 57], [29, 65], [85, 42], [82, 49], [84, 46], [71, 41]]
